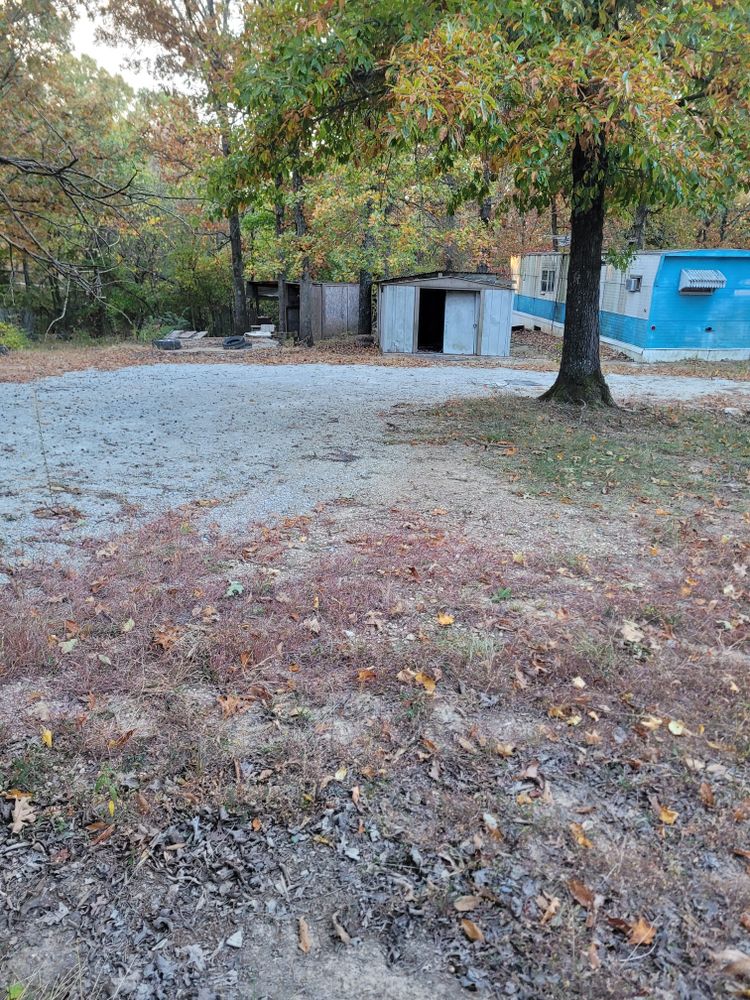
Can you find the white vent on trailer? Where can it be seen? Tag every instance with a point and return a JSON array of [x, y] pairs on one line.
[[634, 283], [701, 282]]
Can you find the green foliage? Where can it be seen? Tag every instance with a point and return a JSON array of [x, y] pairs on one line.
[[12, 337]]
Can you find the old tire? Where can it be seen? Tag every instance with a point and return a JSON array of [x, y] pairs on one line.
[[234, 343]]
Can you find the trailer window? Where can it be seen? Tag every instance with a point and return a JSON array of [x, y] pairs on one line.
[[548, 280]]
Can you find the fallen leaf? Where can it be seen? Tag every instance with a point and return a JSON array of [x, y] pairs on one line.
[[234, 589], [341, 773], [641, 932], [128, 626], [505, 749], [667, 816], [594, 961], [313, 625], [305, 941], [142, 804], [676, 727], [553, 907], [734, 962], [579, 835], [445, 620], [231, 704], [466, 903], [341, 931], [120, 742], [745, 920], [470, 929], [578, 682], [68, 646], [706, 795], [166, 637], [492, 826], [427, 682], [23, 813], [47, 738], [581, 893], [631, 632], [650, 722], [366, 674]]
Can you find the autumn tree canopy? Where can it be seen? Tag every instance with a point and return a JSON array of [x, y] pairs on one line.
[[610, 105]]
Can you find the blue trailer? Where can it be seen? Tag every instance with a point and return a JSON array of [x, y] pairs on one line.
[[668, 305]]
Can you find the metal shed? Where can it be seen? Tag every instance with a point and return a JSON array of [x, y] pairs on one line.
[[445, 313]]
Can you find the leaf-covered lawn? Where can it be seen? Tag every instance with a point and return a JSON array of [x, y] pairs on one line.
[[529, 350], [674, 459], [531, 763]]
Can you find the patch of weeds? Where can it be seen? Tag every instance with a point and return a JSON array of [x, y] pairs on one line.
[[414, 706], [598, 652], [30, 770], [501, 594], [655, 615], [106, 787]]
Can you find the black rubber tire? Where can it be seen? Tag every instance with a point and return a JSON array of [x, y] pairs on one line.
[[167, 345], [234, 343]]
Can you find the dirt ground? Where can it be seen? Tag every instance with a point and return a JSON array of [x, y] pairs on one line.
[[529, 349], [475, 724]]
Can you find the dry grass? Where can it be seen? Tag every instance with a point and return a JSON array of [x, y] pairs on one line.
[[530, 350], [434, 681]]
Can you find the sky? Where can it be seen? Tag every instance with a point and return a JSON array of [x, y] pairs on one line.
[[111, 58]]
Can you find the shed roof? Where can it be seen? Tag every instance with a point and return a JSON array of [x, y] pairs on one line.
[[479, 277]]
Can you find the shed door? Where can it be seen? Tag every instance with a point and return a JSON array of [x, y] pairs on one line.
[[461, 315], [496, 323], [397, 325]]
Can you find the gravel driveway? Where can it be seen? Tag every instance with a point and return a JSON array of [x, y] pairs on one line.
[[91, 447]]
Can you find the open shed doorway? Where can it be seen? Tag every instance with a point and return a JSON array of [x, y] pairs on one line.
[[431, 328], [447, 321]]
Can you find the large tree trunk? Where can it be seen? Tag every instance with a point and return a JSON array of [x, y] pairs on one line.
[[638, 229], [580, 378], [305, 287], [554, 225], [241, 322], [364, 314], [281, 273]]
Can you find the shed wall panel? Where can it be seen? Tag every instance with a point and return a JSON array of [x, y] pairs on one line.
[[397, 327], [496, 322], [460, 326]]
